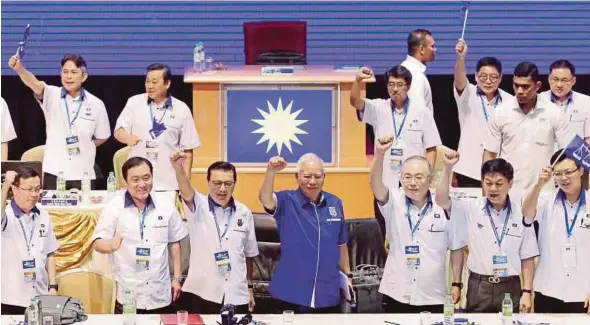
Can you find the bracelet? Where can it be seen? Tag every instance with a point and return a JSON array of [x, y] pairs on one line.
[[53, 286], [176, 279], [527, 291], [457, 284], [250, 286]]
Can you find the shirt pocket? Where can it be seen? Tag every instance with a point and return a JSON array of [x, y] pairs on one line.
[[85, 125], [238, 238], [543, 134], [160, 232]]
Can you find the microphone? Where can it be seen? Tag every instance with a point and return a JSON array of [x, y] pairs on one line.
[[245, 320]]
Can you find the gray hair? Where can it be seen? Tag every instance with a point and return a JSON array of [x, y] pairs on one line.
[[418, 158], [309, 156]]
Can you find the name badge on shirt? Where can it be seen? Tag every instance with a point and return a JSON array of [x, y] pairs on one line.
[[395, 159], [29, 271], [500, 265], [73, 145], [142, 258], [568, 256], [222, 262], [151, 150], [412, 255], [157, 129]]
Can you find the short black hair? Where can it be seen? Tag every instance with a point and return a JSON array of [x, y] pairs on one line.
[[77, 59], [498, 165], [489, 61], [166, 72], [558, 157], [134, 162], [527, 69], [399, 71], [24, 172], [416, 38], [222, 165], [563, 64]]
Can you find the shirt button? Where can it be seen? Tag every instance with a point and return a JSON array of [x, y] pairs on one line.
[[414, 280], [147, 283]]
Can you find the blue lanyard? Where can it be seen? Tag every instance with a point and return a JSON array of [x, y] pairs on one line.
[[570, 227], [28, 241], [397, 132], [501, 237], [152, 114], [142, 222], [421, 215], [70, 121], [219, 234], [483, 105]]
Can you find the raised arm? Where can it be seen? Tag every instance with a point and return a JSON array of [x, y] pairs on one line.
[[266, 193], [355, 93], [178, 159], [529, 206], [450, 158], [380, 191], [460, 81], [26, 76]]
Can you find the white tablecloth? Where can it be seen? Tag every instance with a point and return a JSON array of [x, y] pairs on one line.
[[339, 319]]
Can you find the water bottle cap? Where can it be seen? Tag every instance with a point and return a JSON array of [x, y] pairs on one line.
[[507, 294]]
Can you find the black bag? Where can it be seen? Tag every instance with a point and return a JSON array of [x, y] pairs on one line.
[[281, 57], [64, 310]]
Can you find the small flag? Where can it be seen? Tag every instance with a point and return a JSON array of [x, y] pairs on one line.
[[579, 151], [20, 50]]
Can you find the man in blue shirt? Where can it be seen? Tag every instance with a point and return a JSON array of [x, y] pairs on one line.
[[313, 234]]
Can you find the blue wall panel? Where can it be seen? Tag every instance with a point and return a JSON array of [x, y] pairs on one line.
[[122, 38]]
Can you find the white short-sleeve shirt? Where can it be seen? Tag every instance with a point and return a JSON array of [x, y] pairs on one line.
[[420, 87], [474, 111], [425, 285], [527, 141], [180, 133], [8, 132], [419, 131], [15, 291], [551, 278], [239, 241], [91, 122], [576, 109], [518, 242], [162, 226]]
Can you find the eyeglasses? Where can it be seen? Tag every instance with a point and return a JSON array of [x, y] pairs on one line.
[[484, 77], [226, 183], [562, 80], [567, 173], [391, 85], [309, 177], [31, 190], [419, 178]]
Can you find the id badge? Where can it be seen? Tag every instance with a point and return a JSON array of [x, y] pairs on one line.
[[500, 265], [73, 145], [142, 258], [412, 255], [151, 150], [29, 271], [222, 262], [568, 256], [395, 158]]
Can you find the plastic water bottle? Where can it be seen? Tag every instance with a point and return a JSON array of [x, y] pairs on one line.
[[449, 310], [507, 310], [111, 185], [198, 57], [129, 306], [85, 188], [61, 185], [33, 315]]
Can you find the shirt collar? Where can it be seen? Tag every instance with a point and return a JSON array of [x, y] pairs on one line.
[[560, 195], [416, 63], [64, 93], [541, 103], [167, 103], [570, 97], [18, 212], [213, 204], [488, 205], [129, 202], [303, 200], [497, 96], [428, 197]]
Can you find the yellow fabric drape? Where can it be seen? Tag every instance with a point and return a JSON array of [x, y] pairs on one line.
[[74, 232]]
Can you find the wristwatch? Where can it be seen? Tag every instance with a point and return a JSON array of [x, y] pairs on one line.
[[457, 284], [53, 286], [526, 291], [250, 286], [177, 279]]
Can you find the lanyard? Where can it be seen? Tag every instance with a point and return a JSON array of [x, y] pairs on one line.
[[570, 227], [483, 105], [70, 121], [219, 234], [28, 241], [397, 132], [421, 215], [152, 114], [501, 237], [142, 221]]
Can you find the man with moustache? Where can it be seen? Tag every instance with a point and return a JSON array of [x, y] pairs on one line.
[[421, 50]]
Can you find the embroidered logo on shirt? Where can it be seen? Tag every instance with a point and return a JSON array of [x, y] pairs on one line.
[[514, 225], [333, 212], [437, 215], [240, 222], [160, 218]]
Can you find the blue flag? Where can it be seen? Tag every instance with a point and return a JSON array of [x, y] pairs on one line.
[[262, 123], [579, 151]]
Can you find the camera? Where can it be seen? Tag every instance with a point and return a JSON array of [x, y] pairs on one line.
[[228, 313]]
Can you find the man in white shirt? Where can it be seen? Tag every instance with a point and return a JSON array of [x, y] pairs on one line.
[[525, 131], [76, 122], [500, 244], [28, 243], [420, 233], [561, 282], [224, 243], [421, 50], [475, 104], [575, 105], [139, 230], [8, 132], [154, 124]]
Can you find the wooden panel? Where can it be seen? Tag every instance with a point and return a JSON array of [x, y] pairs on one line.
[[206, 112], [352, 131]]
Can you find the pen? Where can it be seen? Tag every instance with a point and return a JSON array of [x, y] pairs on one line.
[[392, 323]]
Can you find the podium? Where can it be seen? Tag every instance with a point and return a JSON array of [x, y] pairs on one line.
[[245, 118]]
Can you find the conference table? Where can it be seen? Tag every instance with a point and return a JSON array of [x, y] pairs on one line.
[[342, 319]]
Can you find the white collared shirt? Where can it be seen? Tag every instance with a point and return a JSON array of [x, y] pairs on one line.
[[551, 279], [473, 123], [527, 141], [8, 132], [427, 284], [92, 121], [519, 241], [576, 109], [162, 226], [420, 87], [180, 133], [419, 131], [203, 278], [15, 291]]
